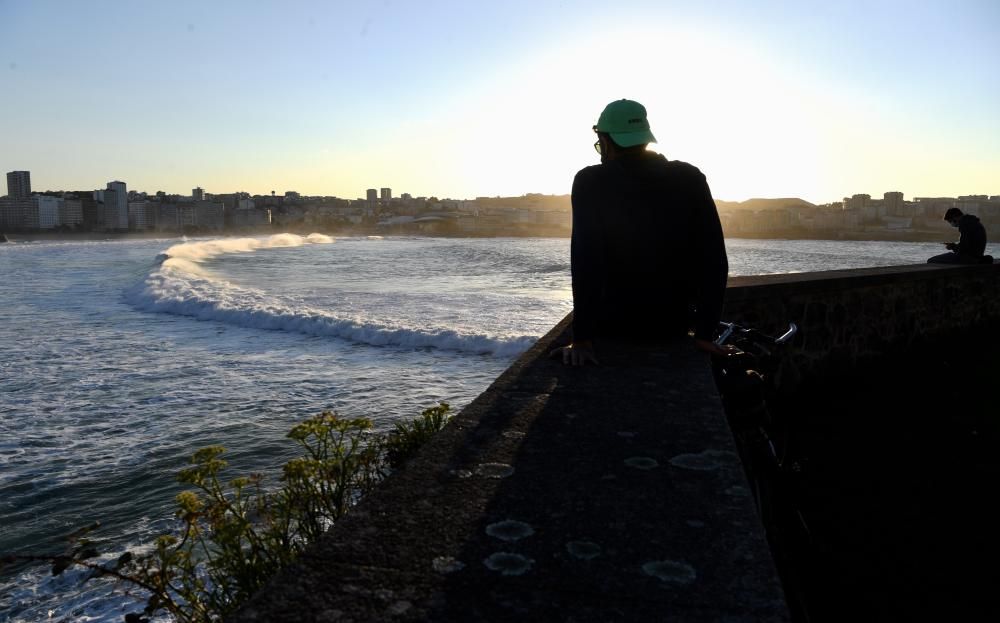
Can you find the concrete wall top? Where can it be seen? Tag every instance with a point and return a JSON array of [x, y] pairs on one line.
[[607, 493], [851, 277]]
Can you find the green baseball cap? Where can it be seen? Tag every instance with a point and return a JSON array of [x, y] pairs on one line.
[[625, 121]]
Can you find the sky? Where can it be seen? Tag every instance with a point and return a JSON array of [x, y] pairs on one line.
[[459, 99]]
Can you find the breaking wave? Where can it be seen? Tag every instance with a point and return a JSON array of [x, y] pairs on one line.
[[180, 284]]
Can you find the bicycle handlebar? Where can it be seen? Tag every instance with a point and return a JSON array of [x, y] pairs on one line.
[[789, 334], [730, 328]]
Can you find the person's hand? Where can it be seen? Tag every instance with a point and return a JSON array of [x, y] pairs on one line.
[[951, 246], [714, 349], [576, 354]]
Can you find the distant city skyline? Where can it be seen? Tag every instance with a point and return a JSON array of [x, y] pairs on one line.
[[19, 185], [770, 99], [117, 209], [22, 181]]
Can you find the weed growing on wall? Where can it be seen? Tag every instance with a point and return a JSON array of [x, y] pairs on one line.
[[407, 437]]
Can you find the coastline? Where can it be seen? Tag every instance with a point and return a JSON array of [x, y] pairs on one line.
[[874, 236], [87, 236], [402, 231]]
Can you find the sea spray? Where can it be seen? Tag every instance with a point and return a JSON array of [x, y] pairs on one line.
[[201, 250]]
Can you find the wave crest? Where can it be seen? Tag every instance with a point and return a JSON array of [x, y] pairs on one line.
[[201, 250], [179, 285]]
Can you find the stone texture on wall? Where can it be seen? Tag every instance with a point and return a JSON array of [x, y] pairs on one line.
[[851, 317]]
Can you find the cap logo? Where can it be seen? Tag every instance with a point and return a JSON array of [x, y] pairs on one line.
[[636, 120]]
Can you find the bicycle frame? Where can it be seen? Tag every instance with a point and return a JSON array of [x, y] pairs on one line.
[[744, 378]]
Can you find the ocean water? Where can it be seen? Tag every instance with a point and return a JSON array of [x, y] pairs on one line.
[[118, 359]]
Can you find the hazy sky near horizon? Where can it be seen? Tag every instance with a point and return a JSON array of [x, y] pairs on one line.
[[769, 98]]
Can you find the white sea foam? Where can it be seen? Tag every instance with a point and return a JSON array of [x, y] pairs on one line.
[[181, 284], [105, 599]]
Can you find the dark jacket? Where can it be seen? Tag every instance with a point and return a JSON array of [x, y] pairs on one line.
[[973, 240], [648, 257]]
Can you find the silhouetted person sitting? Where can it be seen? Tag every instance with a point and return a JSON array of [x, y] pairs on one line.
[[972, 241], [647, 247]]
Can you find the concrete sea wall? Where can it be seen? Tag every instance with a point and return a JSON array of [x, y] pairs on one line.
[[850, 318], [609, 493]]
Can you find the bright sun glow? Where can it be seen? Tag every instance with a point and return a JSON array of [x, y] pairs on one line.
[[710, 102]]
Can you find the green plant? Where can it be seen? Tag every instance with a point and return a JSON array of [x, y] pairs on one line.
[[235, 535], [407, 437]]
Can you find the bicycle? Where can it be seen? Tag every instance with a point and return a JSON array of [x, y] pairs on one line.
[[745, 380], [774, 468]]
